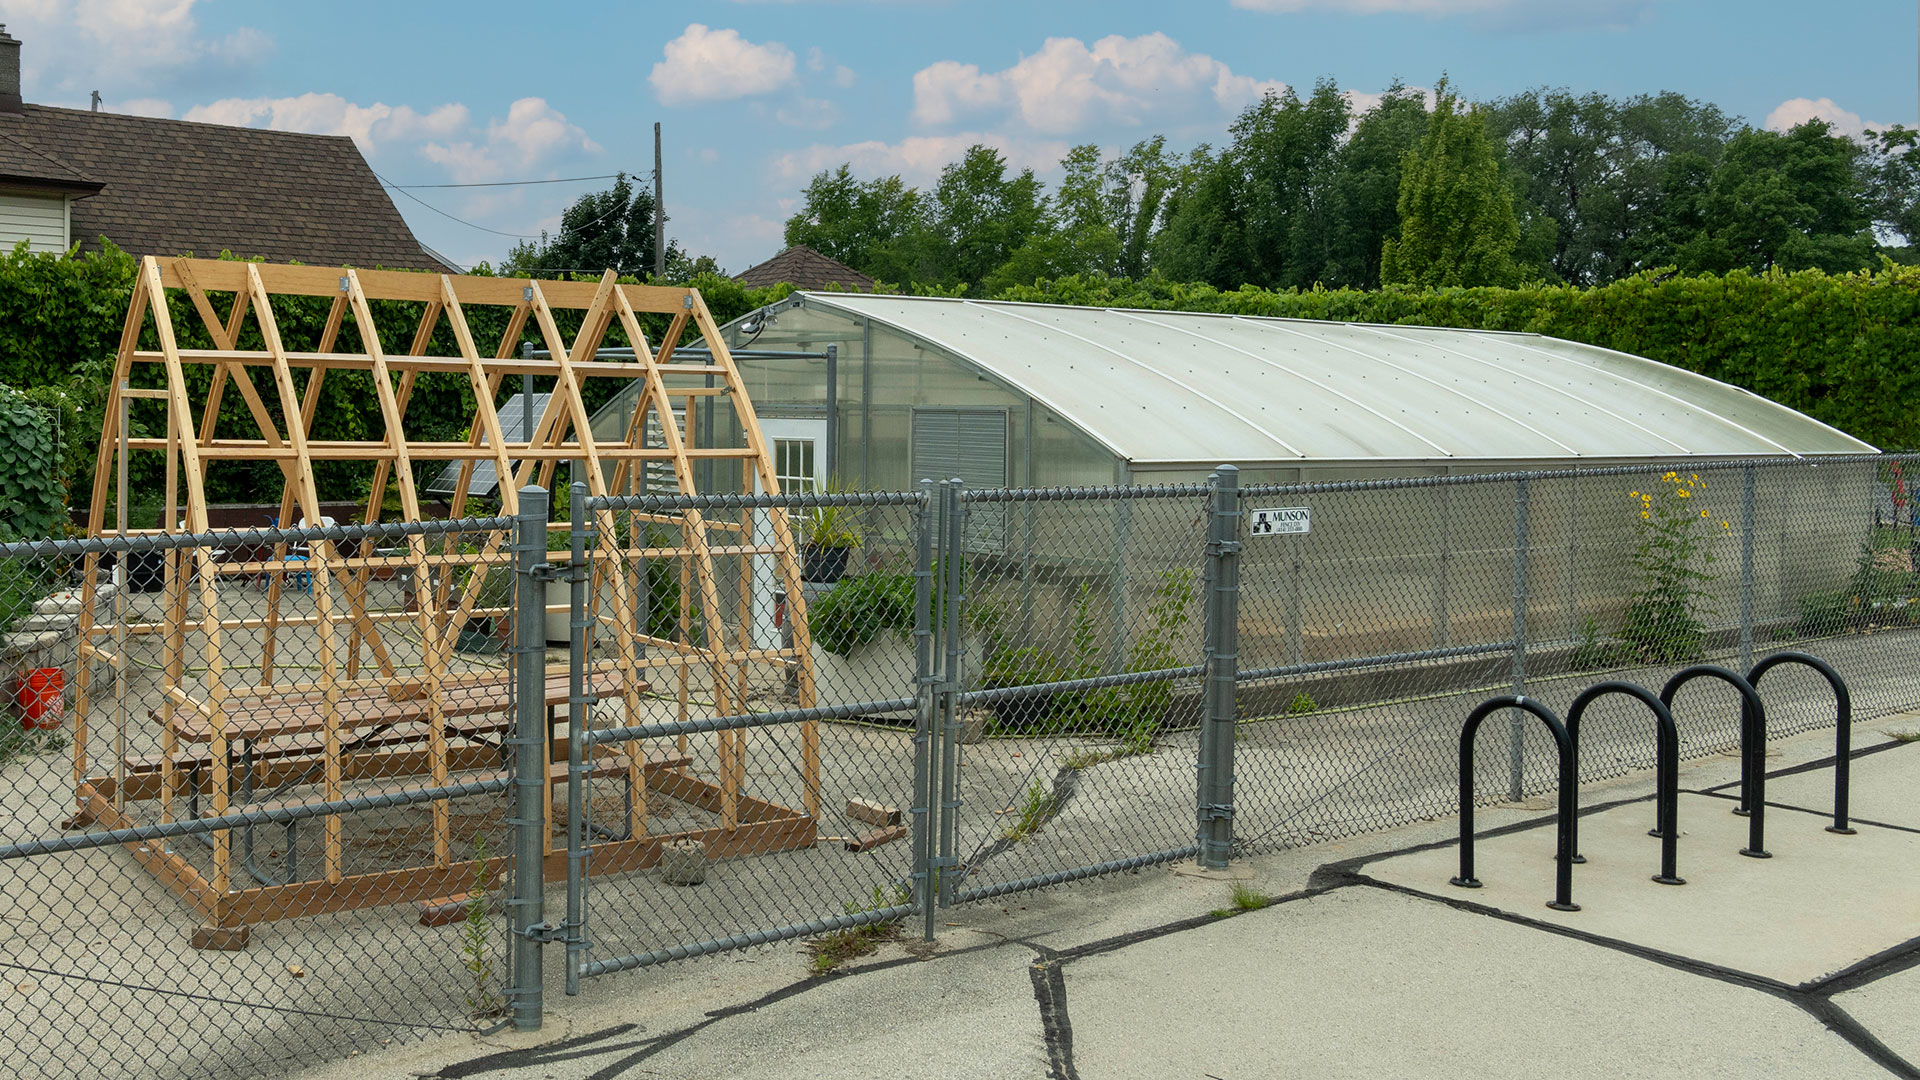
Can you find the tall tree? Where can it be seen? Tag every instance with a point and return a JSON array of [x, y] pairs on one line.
[[1457, 222], [602, 230], [1790, 200], [980, 216], [1363, 199], [867, 225], [1592, 167], [1890, 176]]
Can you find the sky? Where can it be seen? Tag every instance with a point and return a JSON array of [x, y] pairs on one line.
[[755, 96]]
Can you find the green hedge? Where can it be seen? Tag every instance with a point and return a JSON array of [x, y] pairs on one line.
[[61, 320], [1841, 348], [32, 500]]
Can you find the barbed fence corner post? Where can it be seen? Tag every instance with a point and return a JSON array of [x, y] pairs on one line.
[[526, 908], [1221, 649]]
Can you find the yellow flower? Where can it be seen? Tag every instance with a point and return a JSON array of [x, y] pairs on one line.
[[1669, 476], [1682, 492], [1634, 494], [1703, 513], [1644, 514], [1724, 525]]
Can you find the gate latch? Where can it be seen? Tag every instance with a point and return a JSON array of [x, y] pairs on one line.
[[565, 571]]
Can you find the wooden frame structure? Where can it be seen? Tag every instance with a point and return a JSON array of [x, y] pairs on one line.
[[316, 719]]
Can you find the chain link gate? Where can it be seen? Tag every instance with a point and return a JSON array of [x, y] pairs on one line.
[[237, 838], [769, 781]]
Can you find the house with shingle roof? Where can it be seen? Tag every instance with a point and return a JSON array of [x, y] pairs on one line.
[[806, 269], [173, 187]]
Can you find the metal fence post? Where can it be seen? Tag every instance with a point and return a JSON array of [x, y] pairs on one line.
[[579, 709], [1746, 567], [1516, 754], [924, 682], [1221, 649], [527, 907], [952, 558]]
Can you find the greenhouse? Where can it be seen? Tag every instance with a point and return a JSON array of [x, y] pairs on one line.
[[870, 392]]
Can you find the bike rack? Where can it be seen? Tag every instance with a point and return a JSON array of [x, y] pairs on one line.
[[1843, 730], [1753, 748], [1666, 784], [1569, 792]]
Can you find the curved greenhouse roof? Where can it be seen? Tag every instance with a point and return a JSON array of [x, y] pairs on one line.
[[1162, 387]]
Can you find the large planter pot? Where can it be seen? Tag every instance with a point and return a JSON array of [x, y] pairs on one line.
[[823, 565]]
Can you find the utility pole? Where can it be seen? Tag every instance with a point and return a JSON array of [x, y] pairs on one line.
[[659, 212]]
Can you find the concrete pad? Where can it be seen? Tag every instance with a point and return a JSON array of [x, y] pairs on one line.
[[1821, 903], [1881, 790], [1886, 1008], [1365, 983]]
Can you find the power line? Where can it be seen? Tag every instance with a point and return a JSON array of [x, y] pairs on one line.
[[509, 183], [389, 184]]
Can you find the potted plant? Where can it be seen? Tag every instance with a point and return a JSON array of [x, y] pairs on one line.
[[828, 536]]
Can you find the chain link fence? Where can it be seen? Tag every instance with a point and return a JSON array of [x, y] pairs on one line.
[[252, 800], [822, 718]]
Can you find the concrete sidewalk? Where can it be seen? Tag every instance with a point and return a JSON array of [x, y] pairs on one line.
[[1366, 964]]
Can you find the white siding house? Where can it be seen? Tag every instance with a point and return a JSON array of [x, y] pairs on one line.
[[44, 221]]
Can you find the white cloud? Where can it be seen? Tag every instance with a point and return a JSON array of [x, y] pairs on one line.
[[1068, 85], [330, 114], [1796, 111], [129, 50], [843, 76], [533, 135], [704, 65], [1360, 101], [917, 159]]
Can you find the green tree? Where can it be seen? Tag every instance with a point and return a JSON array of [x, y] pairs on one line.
[[1457, 222], [1790, 200], [1890, 175], [602, 230], [871, 226], [980, 216], [1589, 170], [1363, 199]]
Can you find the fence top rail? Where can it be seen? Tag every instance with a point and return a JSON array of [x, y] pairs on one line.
[[1084, 494], [1718, 465], [657, 504], [30, 549]]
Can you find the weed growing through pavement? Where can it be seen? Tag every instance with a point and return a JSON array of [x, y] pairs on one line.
[[1040, 805], [1244, 898], [830, 950], [477, 938]]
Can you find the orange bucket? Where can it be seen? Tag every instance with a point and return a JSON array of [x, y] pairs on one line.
[[39, 694]]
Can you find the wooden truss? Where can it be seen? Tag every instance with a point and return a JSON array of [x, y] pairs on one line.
[[205, 716]]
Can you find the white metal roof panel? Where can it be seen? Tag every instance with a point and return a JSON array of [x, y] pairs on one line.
[[1162, 386]]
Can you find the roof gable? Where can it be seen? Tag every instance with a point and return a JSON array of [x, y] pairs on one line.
[[175, 186]]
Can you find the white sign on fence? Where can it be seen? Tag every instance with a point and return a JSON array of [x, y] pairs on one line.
[[1283, 521]]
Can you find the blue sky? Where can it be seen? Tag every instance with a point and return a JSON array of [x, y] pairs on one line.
[[756, 95]]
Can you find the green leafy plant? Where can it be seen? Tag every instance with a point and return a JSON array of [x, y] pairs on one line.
[[1664, 619], [1039, 806], [32, 497], [1134, 713], [478, 938], [1301, 704], [1593, 652], [1242, 899], [858, 608], [832, 949]]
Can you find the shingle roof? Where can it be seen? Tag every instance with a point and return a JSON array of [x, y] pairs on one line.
[[175, 186], [806, 269], [23, 166]]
